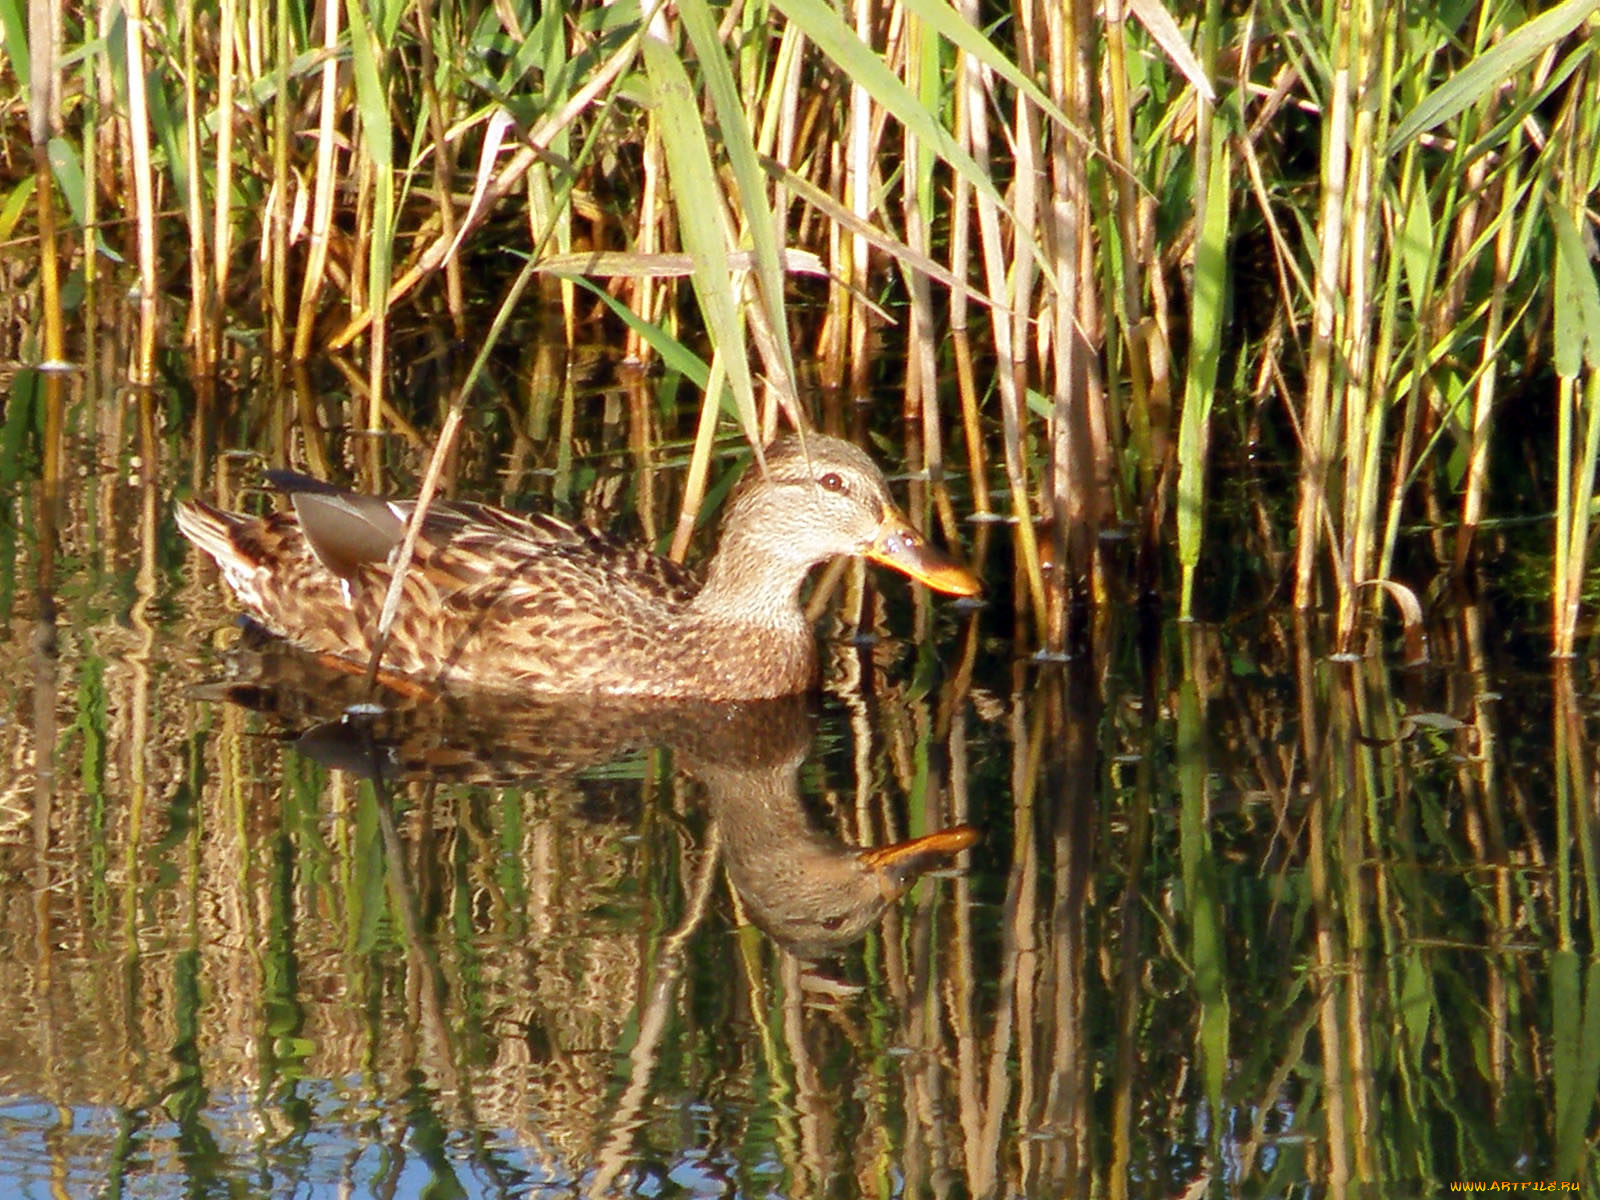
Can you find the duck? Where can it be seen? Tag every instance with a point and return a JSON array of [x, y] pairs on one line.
[[532, 603]]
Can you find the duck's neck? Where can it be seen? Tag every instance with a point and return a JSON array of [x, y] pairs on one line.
[[747, 582]]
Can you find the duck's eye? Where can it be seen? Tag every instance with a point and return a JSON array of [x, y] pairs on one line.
[[831, 482]]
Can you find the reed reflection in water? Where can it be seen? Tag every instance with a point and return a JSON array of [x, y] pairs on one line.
[[1240, 918]]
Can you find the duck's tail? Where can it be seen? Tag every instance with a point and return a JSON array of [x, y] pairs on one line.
[[233, 540], [210, 528]]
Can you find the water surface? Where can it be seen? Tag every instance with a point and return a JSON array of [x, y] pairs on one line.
[[1244, 919]]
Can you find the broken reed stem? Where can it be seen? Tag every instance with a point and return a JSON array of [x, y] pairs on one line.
[[408, 544], [441, 454]]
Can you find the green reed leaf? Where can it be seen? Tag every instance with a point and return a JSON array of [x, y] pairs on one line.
[[67, 169], [865, 66], [14, 42], [166, 122], [1480, 77], [1200, 381], [749, 179], [16, 203], [694, 182], [1416, 1005], [955, 29], [674, 354], [1577, 298], [371, 96], [1416, 246], [24, 415], [1575, 1064]]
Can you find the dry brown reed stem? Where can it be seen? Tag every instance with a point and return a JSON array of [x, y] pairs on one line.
[[919, 332], [921, 401], [1022, 272], [1381, 454], [1315, 434], [1079, 452], [327, 185], [1022, 278], [642, 436], [1364, 398], [971, 429], [1483, 392], [222, 196], [960, 256], [201, 333], [139, 133], [857, 176], [694, 488], [834, 326], [49, 268], [276, 233], [44, 118], [651, 212], [443, 152], [1008, 354]]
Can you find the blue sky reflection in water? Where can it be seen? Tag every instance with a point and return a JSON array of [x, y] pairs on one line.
[[250, 948]]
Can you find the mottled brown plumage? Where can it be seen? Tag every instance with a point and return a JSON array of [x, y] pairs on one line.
[[532, 603]]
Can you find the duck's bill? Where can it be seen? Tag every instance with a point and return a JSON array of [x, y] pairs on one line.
[[897, 865], [907, 551]]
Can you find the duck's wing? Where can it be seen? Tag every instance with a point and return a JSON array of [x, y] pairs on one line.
[[474, 552], [584, 565]]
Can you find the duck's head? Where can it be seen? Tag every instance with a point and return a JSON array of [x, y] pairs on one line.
[[823, 498]]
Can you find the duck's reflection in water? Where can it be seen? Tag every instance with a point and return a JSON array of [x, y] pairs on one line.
[[800, 882]]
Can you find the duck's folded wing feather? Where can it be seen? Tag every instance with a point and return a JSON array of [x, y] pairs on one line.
[[476, 552]]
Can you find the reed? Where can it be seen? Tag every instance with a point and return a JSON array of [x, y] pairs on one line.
[[1418, 184]]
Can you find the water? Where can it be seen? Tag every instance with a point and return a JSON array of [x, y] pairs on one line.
[[1243, 919]]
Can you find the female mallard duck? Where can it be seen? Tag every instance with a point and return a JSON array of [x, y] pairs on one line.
[[493, 599]]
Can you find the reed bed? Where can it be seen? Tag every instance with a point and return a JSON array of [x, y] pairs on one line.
[[1126, 254]]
